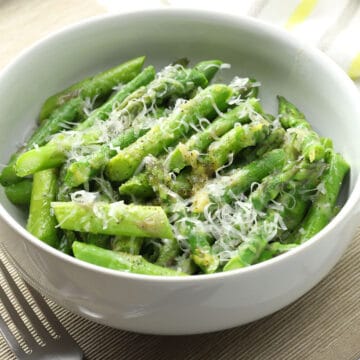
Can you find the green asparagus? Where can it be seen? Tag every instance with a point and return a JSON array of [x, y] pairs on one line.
[[120, 261], [207, 180], [322, 210], [113, 219], [64, 116], [302, 139], [240, 181], [19, 193], [101, 84], [123, 165], [185, 154], [41, 222]]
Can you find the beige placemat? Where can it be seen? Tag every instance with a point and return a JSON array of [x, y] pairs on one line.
[[323, 324]]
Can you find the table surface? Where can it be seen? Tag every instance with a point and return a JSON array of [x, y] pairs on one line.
[[323, 324]]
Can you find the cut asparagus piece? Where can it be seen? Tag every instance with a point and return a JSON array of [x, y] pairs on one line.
[[63, 117], [19, 193], [123, 165], [301, 138], [184, 154], [232, 142], [120, 261], [113, 219], [41, 222], [101, 84], [274, 249], [54, 153], [322, 209], [131, 245], [135, 88], [294, 204], [240, 181]]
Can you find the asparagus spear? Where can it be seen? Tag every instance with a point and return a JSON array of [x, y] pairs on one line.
[[101, 84], [54, 153], [41, 222], [113, 219], [232, 142], [19, 193], [294, 204], [123, 165], [131, 245], [170, 82], [67, 237], [273, 141], [140, 187], [61, 118], [240, 181], [121, 99], [119, 261], [187, 226], [209, 68], [274, 249], [271, 185], [80, 171], [302, 139], [183, 154], [322, 209]]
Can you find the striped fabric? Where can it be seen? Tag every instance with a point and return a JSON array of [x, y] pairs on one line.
[[331, 25]]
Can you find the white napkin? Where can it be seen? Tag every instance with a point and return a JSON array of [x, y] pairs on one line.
[[331, 25]]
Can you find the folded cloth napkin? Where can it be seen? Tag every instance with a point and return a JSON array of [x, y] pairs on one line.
[[331, 25]]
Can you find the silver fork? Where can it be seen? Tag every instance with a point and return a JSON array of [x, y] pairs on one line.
[[41, 344]]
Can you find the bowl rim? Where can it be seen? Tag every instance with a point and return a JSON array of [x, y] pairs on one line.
[[275, 32]]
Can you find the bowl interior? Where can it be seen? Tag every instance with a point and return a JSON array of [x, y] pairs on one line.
[[283, 67]]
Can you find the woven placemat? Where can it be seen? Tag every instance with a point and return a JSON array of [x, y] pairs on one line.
[[323, 324]]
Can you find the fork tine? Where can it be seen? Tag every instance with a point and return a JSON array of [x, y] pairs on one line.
[[65, 337], [30, 313], [45, 308], [9, 337], [63, 346], [17, 320]]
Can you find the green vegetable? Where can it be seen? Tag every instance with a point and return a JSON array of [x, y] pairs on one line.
[[186, 81], [131, 245], [41, 222], [186, 154], [238, 138], [302, 138], [207, 180], [294, 203], [119, 261], [99, 85], [63, 117], [209, 68], [118, 100], [323, 207], [113, 219], [271, 186], [241, 180], [275, 249], [123, 165], [54, 153], [19, 193]]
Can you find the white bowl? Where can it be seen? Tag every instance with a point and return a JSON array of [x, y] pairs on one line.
[[163, 305]]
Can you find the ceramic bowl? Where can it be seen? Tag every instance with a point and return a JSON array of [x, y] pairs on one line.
[[163, 305]]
